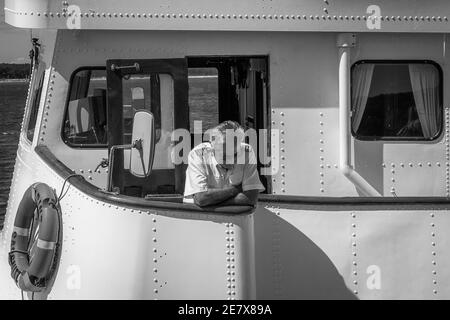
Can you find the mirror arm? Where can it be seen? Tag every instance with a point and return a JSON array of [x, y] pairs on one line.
[[137, 144]]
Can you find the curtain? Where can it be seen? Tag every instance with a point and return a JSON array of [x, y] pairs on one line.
[[361, 80], [425, 87]]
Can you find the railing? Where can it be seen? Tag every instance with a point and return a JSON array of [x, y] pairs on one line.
[[145, 203]]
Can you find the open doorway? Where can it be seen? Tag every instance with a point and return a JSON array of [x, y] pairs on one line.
[[229, 88], [179, 92]]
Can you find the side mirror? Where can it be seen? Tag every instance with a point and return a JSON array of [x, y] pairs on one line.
[[143, 140]]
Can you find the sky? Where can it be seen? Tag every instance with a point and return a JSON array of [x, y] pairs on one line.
[[14, 42]]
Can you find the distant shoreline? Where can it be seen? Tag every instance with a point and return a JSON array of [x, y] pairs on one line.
[[13, 80]]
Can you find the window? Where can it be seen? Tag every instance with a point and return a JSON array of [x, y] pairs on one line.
[[396, 100], [153, 92], [85, 120], [34, 105], [203, 97]]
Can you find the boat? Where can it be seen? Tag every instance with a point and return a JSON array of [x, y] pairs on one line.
[[348, 100]]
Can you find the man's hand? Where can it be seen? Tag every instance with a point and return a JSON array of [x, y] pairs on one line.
[[244, 198], [229, 196]]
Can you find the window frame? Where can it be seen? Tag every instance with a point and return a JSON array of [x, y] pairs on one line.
[[437, 136], [38, 78], [66, 109], [177, 68]]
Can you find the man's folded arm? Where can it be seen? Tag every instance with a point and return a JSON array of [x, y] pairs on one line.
[[215, 196], [245, 198]]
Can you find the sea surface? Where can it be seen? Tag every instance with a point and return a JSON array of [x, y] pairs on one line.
[[12, 103]]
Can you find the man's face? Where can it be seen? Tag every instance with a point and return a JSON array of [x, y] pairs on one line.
[[226, 153]]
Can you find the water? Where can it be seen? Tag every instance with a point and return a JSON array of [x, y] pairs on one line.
[[12, 103]]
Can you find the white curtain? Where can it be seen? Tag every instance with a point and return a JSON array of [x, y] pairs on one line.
[[361, 80], [424, 83]]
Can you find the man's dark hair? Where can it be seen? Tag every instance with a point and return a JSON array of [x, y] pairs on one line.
[[219, 132], [228, 125]]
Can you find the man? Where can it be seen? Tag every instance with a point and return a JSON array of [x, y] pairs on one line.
[[222, 172]]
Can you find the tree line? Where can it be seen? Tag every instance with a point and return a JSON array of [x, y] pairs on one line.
[[14, 71]]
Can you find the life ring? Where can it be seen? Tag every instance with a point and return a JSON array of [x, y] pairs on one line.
[[32, 264]]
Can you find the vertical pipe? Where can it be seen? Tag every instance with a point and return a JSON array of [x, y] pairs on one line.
[[344, 103], [345, 42]]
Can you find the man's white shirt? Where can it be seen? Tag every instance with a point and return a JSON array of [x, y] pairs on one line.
[[204, 172]]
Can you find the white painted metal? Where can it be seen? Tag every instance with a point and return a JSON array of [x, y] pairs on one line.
[[214, 15], [114, 252]]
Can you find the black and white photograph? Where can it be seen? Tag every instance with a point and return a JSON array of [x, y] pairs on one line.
[[211, 151]]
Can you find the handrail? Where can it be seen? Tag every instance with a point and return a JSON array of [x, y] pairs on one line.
[[81, 184], [358, 203]]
